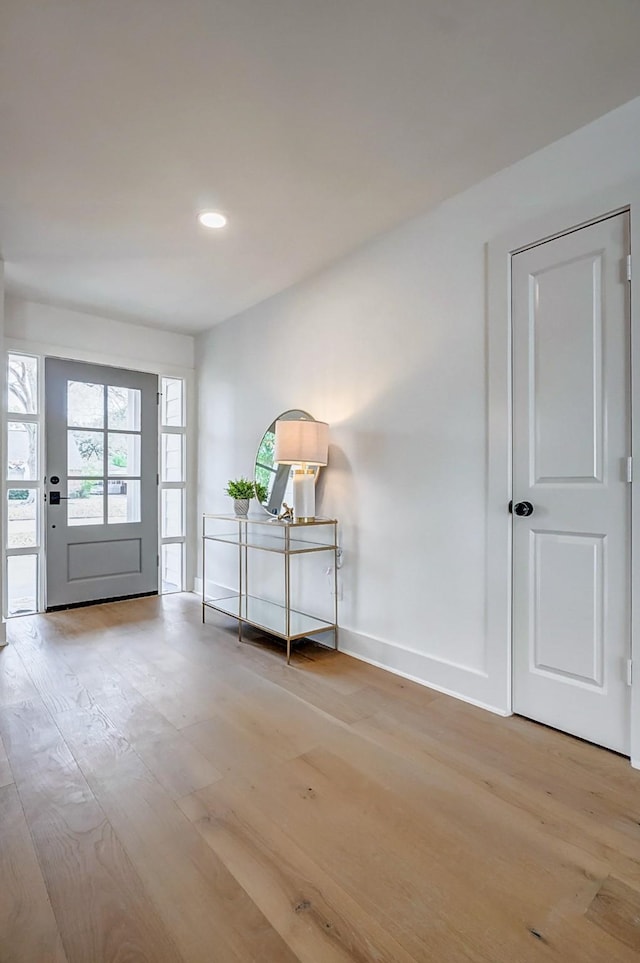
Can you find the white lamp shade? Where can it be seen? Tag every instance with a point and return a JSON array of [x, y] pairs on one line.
[[301, 442]]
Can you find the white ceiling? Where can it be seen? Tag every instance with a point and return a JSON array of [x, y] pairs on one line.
[[314, 124]]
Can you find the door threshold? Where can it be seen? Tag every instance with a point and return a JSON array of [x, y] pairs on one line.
[[82, 605]]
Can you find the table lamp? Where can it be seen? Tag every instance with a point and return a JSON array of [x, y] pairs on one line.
[[304, 444]]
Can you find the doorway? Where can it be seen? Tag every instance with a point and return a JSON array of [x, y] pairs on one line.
[[25, 507], [571, 352], [101, 483]]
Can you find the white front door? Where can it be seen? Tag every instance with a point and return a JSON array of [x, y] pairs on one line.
[[101, 482], [571, 442]]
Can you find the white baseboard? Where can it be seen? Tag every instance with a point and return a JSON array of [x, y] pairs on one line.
[[462, 682], [429, 685], [197, 586]]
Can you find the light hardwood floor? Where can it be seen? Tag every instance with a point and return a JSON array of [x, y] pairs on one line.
[[170, 796]]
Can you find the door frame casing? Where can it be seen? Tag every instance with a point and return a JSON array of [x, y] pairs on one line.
[[499, 253]]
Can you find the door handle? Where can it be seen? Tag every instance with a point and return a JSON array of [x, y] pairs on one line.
[[523, 509], [55, 498]]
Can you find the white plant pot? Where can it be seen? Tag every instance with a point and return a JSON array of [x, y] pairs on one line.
[[241, 506]]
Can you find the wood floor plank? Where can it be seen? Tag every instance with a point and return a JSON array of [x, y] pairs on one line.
[[6, 775], [255, 730], [210, 916], [375, 873], [318, 661], [102, 910], [176, 689], [388, 844], [28, 930], [379, 698], [616, 908], [132, 714], [135, 716], [15, 682], [316, 917], [347, 814], [438, 811], [230, 748], [176, 763], [544, 757], [421, 741], [55, 682], [290, 725], [315, 691]]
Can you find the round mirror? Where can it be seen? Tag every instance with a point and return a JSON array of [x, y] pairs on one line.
[[276, 481]]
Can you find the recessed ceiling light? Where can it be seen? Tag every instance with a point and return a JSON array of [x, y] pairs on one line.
[[212, 219]]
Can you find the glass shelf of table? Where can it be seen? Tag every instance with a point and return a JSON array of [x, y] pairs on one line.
[[269, 520], [270, 543], [269, 616]]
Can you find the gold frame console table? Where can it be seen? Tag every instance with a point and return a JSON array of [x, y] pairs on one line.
[[286, 539]]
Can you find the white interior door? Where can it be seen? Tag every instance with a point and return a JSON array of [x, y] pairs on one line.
[[571, 442], [101, 427]]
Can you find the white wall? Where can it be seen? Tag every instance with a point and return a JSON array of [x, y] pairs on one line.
[[96, 338], [389, 347]]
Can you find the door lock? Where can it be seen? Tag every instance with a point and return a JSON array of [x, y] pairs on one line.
[[523, 509]]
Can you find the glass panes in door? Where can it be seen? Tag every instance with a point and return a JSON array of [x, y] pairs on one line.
[[172, 513], [173, 475], [172, 459], [23, 492], [22, 384], [22, 583], [85, 405], [171, 562], [103, 454], [22, 517], [123, 408], [22, 450], [124, 454], [123, 501], [85, 502], [172, 402], [85, 453]]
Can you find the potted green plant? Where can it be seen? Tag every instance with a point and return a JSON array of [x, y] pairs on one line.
[[242, 490]]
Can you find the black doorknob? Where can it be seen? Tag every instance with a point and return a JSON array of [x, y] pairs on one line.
[[523, 508]]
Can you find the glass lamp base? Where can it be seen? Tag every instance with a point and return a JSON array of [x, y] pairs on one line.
[[304, 495]]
